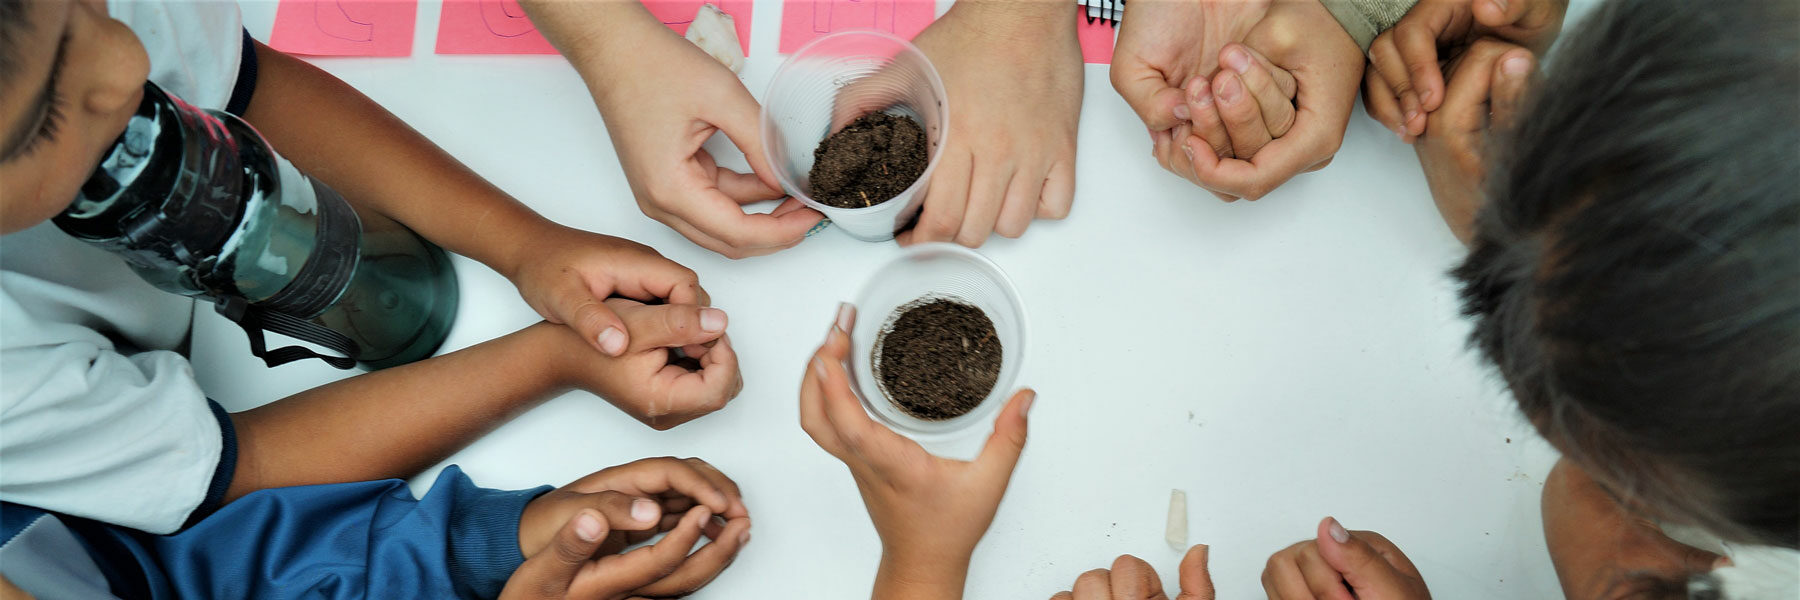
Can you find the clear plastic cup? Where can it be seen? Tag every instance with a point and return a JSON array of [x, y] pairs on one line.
[[944, 271], [832, 81]]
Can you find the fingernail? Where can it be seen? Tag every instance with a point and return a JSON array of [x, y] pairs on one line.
[[744, 539], [1400, 133], [643, 511], [1230, 91], [1189, 151], [1499, 5], [1181, 112], [712, 320], [612, 341], [1031, 397], [1515, 66], [1424, 96], [1724, 561], [587, 527], [1238, 60], [1202, 94], [1338, 533], [846, 316], [819, 367], [1410, 115]]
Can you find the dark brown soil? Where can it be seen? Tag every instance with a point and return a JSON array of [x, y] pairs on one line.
[[939, 359], [869, 161]]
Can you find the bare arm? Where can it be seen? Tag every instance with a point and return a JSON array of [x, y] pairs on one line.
[[397, 421], [338, 135]]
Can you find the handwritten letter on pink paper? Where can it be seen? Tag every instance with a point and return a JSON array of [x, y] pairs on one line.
[[1096, 40], [488, 27], [501, 26], [677, 14], [344, 27], [803, 21]]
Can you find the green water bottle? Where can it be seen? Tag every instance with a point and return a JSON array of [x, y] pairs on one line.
[[199, 205]]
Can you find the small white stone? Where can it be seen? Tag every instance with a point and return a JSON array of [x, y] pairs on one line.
[[715, 32], [1177, 531]]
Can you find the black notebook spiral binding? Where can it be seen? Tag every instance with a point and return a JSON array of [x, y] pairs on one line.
[[1104, 11]]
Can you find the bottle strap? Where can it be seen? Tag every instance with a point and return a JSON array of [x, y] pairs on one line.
[[256, 319]]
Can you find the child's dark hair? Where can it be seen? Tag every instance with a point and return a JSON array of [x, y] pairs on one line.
[[1636, 273]]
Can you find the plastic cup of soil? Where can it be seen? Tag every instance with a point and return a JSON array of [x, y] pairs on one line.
[[924, 273], [834, 80]]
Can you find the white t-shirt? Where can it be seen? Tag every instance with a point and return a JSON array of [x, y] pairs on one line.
[[99, 416]]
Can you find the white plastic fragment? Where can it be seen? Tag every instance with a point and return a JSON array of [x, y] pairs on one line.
[[715, 32], [1177, 531]]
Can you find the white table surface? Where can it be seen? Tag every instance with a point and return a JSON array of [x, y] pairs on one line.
[[1279, 361]]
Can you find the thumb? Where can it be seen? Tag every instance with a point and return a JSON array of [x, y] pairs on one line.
[[675, 325], [1507, 92], [1156, 102], [549, 574], [1367, 572], [1001, 453], [740, 117], [578, 307], [1196, 582]]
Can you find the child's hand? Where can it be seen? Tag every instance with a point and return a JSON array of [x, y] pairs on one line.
[[1167, 44], [1405, 81], [646, 381], [1241, 108], [1013, 71], [662, 97], [1488, 84], [572, 565], [640, 500], [1340, 562], [565, 274], [929, 511], [1133, 579]]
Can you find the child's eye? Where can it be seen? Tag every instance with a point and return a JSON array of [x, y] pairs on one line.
[[46, 133]]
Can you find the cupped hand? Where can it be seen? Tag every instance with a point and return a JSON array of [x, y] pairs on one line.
[[1343, 565], [572, 565], [1234, 131], [1405, 81], [1013, 75], [929, 511], [1488, 85], [1130, 578], [662, 97], [652, 382]]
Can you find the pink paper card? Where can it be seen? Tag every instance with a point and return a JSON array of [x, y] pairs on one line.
[[344, 27], [677, 14], [1096, 40], [803, 21], [501, 26], [488, 27]]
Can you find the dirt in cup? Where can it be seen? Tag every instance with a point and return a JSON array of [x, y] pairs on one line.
[[939, 359], [869, 161]]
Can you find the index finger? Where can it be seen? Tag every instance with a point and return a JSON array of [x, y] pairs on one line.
[[654, 476], [718, 216], [704, 565], [612, 576]]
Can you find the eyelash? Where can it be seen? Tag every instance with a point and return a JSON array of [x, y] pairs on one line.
[[53, 116]]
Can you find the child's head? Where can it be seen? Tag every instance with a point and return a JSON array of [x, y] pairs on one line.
[[1636, 274], [70, 79]]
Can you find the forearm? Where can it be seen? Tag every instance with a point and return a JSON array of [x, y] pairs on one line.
[[334, 133], [394, 422], [594, 36], [930, 578], [1024, 20]]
